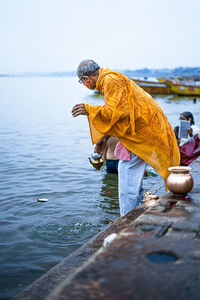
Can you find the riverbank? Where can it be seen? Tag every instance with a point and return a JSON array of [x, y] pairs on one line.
[[155, 255]]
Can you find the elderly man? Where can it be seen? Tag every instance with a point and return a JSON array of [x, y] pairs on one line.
[[144, 133]]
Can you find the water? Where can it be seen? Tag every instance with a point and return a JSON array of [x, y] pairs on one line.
[[161, 257], [44, 154]]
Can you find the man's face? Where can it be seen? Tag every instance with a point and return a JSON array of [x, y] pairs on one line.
[[88, 81]]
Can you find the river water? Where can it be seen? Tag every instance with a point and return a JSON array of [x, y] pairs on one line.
[[44, 154]]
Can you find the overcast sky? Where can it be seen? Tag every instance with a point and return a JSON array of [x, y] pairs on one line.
[[55, 35]]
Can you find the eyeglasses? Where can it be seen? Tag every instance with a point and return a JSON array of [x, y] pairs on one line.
[[81, 80]]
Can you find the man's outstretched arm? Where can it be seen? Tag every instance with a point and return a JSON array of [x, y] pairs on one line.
[[79, 109]]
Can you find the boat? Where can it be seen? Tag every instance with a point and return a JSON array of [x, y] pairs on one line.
[[185, 89], [153, 87], [162, 80]]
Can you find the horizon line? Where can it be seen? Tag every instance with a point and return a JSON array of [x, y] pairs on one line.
[[72, 73]]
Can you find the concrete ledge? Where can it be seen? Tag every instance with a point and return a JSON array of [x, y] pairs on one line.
[[123, 271]]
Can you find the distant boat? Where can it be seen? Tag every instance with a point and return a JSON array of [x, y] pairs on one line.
[[185, 89], [153, 87], [163, 80]]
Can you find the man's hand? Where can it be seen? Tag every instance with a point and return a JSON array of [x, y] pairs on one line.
[[190, 131], [101, 144], [79, 109]]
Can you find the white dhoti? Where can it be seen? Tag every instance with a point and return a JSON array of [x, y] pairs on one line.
[[130, 175]]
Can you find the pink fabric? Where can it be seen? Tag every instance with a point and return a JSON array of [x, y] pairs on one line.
[[122, 152], [190, 151]]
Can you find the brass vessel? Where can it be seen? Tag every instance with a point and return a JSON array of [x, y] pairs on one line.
[[180, 181], [96, 161]]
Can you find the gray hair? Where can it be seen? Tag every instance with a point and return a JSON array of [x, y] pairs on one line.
[[87, 68]]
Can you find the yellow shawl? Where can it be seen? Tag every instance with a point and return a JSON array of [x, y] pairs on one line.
[[136, 119]]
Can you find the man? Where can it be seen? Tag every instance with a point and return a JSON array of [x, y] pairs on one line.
[[144, 133]]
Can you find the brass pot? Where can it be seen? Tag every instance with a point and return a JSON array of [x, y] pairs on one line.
[[97, 163], [180, 181]]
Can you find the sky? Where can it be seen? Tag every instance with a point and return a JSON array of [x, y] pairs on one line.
[[55, 35]]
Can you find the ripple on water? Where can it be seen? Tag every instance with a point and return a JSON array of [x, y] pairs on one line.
[[64, 234]]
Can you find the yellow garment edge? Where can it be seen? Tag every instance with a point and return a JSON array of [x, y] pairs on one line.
[[136, 119]]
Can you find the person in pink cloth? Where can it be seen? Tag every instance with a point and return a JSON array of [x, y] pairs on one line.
[[108, 155]]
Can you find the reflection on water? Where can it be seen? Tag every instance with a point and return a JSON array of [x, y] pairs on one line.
[[109, 192], [44, 154]]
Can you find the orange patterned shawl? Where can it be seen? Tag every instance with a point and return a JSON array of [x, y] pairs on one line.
[[136, 119]]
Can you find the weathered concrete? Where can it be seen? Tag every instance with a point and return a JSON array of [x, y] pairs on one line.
[[156, 255], [122, 271]]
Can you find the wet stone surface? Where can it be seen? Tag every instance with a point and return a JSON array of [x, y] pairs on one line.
[[123, 271]]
